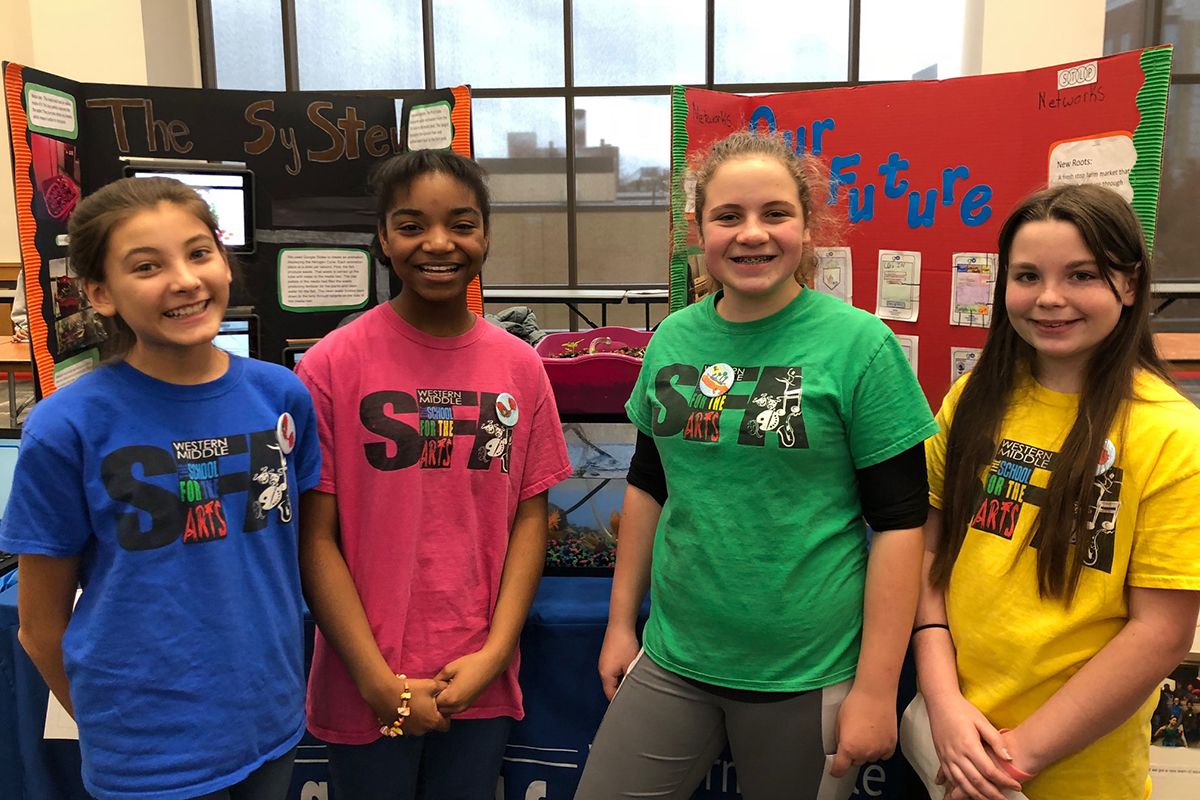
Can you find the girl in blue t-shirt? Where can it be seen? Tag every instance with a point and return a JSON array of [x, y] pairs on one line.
[[162, 483]]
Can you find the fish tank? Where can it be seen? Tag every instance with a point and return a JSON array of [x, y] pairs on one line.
[[585, 509]]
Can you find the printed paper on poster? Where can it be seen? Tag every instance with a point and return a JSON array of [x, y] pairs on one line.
[[323, 279], [972, 288], [430, 128], [1104, 160], [899, 296], [963, 360], [835, 274]]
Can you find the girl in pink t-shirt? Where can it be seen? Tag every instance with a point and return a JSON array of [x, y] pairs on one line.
[[422, 546]]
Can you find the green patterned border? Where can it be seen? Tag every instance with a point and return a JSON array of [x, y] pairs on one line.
[[679, 223], [1146, 175]]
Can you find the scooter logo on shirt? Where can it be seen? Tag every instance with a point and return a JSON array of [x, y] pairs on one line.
[[695, 403], [781, 410], [1009, 486], [196, 510], [440, 417]]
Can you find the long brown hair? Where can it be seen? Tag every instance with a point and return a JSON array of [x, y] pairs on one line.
[[94, 219], [806, 171], [1111, 230]]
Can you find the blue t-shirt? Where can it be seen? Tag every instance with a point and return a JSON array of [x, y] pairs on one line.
[[186, 649]]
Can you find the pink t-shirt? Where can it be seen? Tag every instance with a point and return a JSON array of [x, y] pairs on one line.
[[429, 443]]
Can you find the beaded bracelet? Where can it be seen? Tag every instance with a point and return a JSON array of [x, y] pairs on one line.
[[402, 712]]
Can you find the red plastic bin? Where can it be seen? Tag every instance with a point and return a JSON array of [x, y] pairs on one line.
[[596, 383]]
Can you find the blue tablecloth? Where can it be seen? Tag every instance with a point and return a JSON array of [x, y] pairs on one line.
[[563, 705]]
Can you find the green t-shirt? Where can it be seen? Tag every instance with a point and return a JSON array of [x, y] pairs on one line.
[[761, 552]]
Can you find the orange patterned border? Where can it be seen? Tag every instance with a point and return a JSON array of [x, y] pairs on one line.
[[18, 127], [460, 118]]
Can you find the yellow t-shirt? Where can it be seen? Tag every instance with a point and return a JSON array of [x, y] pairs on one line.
[[1015, 650]]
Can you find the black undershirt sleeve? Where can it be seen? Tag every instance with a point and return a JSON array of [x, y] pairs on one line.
[[894, 493], [646, 469]]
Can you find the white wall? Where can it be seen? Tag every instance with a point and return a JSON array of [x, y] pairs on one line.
[[89, 41], [97, 42], [15, 45], [172, 40], [1013, 35]]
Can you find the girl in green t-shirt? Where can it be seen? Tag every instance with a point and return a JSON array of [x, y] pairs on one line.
[[765, 603]]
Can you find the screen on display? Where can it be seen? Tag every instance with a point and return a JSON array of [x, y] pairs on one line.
[[238, 337], [10, 442], [292, 355], [8, 464], [228, 194]]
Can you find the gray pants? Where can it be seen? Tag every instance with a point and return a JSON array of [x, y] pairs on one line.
[[662, 733]]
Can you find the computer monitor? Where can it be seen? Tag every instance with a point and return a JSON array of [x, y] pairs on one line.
[[239, 335], [229, 191], [10, 444], [293, 354]]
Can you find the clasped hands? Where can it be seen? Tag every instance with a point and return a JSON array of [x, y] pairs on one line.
[[435, 700], [975, 758]]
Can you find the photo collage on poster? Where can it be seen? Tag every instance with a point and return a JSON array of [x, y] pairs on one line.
[[56, 176]]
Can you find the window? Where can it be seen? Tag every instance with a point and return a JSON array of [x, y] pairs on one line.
[[572, 97], [247, 45], [1177, 22], [351, 46]]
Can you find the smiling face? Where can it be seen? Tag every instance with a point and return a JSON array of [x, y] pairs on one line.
[[754, 233], [1059, 302], [167, 278], [435, 239]]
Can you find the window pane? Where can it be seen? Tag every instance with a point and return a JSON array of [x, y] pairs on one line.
[[248, 44], [1124, 26], [1178, 238], [623, 244], [356, 44], [520, 142], [500, 44], [806, 40], [631, 42], [622, 162], [902, 41], [1181, 27]]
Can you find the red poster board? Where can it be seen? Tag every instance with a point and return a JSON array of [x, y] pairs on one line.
[[936, 166]]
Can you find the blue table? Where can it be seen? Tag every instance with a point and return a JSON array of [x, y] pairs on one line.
[[563, 705]]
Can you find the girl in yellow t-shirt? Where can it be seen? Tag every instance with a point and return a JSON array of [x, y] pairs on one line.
[[1061, 579]]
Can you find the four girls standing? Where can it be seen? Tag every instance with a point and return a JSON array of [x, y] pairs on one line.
[[772, 421]]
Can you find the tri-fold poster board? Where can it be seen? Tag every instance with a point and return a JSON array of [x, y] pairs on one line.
[[922, 174]]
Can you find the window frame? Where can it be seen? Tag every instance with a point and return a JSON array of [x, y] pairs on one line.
[[569, 93]]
